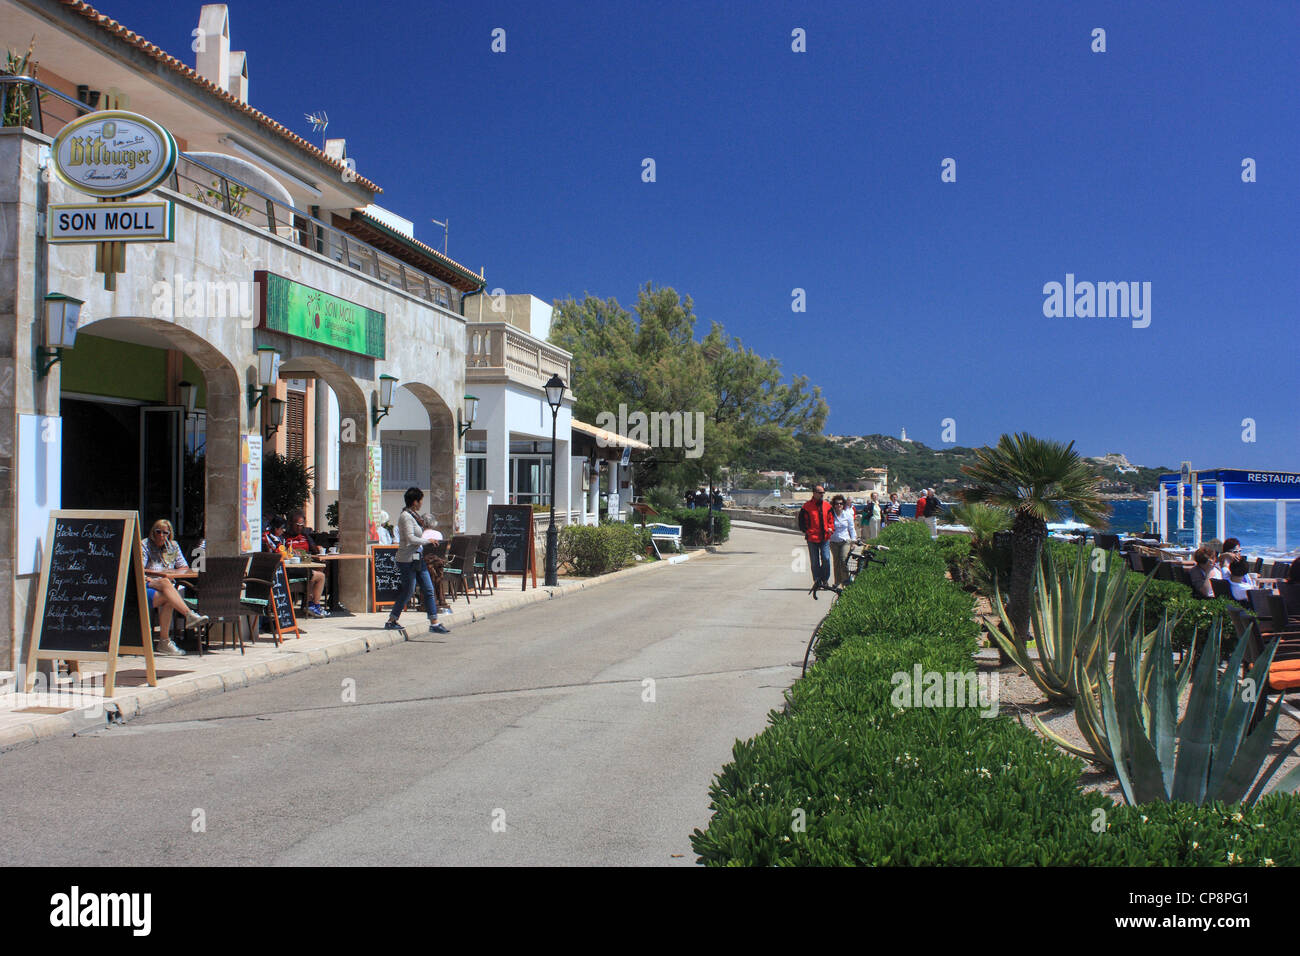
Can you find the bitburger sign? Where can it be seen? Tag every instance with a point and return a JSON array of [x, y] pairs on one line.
[[113, 153]]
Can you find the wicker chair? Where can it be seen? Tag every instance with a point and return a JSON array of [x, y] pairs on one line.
[[484, 575], [460, 564], [220, 586]]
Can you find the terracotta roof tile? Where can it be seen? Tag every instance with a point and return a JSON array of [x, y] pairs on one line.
[[112, 27]]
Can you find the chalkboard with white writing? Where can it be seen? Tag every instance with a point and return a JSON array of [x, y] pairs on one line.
[[91, 603], [386, 577], [513, 551]]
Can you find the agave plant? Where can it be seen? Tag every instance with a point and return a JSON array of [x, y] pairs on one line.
[[1087, 706], [1212, 753], [1079, 614]]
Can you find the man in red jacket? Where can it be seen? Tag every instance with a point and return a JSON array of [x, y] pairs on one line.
[[817, 522], [920, 505]]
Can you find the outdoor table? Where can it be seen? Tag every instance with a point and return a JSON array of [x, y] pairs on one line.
[[308, 566], [332, 572]]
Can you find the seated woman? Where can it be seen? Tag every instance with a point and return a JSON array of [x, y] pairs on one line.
[[1202, 574], [162, 558]]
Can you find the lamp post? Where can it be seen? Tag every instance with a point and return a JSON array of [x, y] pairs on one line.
[[62, 312], [554, 396]]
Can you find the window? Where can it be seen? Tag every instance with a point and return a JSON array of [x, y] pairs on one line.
[[475, 473], [399, 465], [295, 418]]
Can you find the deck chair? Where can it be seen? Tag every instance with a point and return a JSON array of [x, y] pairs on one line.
[[257, 588], [483, 572]]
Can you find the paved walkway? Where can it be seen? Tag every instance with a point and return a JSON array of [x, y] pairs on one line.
[[73, 708]]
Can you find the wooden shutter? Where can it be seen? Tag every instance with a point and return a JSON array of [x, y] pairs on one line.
[[295, 420]]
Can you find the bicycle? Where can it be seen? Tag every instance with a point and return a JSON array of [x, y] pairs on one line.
[[856, 563]]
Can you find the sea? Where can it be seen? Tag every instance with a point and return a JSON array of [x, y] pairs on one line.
[[1254, 523]]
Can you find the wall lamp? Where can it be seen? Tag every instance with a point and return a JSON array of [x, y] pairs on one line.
[[465, 421], [62, 313], [382, 403], [189, 393], [274, 415], [268, 373]]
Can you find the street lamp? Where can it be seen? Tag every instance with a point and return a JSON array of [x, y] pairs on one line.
[[268, 373], [554, 395], [61, 315]]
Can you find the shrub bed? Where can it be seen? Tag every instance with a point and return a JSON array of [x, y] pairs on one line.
[[600, 549], [879, 785]]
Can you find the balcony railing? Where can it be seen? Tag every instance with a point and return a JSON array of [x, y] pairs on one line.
[[499, 347], [20, 105]]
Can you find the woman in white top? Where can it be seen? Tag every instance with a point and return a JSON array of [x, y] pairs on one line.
[[842, 538]]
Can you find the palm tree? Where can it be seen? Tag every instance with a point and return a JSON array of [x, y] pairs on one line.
[[1032, 477]]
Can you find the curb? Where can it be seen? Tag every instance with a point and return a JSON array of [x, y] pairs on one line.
[[150, 700]]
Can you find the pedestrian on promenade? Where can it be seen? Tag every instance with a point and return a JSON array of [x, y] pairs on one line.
[[690, 499], [893, 510], [920, 506], [410, 544], [871, 516], [843, 537], [162, 555], [817, 523], [932, 512]]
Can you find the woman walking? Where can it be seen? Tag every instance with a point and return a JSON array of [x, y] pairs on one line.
[[410, 543], [842, 538]]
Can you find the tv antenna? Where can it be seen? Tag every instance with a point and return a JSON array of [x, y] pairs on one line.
[[319, 120], [446, 230]]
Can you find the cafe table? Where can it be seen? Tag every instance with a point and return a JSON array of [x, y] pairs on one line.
[[291, 566], [331, 564]]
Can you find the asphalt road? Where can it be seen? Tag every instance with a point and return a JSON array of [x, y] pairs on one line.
[[526, 738]]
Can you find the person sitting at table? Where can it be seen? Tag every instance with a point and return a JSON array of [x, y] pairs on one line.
[[162, 555], [1230, 552], [1239, 578], [300, 538], [1201, 575], [273, 537]]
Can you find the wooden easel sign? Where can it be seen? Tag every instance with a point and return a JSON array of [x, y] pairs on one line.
[[91, 603], [512, 526], [282, 615]]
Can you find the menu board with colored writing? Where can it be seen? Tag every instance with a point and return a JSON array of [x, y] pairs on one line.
[[282, 601]]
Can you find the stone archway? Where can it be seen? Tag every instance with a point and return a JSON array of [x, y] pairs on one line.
[[225, 414], [354, 430], [440, 498]]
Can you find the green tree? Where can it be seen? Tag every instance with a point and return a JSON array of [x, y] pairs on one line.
[[652, 363], [1031, 478]]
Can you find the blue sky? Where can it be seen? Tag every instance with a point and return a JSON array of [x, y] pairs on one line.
[[820, 170]]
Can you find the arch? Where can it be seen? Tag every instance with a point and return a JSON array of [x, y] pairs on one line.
[[224, 410], [441, 494], [354, 462]]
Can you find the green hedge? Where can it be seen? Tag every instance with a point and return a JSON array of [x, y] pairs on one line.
[[884, 786], [695, 524], [600, 549]]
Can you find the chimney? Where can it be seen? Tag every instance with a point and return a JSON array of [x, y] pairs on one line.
[[336, 149], [237, 81], [212, 61]]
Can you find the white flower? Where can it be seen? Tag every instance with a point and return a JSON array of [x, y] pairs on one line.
[[1236, 817], [1268, 861], [1196, 845], [1234, 857]]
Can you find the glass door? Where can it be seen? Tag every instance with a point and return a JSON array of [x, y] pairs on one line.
[[162, 467]]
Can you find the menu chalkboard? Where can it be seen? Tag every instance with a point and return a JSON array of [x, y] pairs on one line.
[[91, 603], [385, 576], [282, 603], [512, 526]]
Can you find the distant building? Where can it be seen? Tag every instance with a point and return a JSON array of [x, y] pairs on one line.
[[784, 479], [873, 479]]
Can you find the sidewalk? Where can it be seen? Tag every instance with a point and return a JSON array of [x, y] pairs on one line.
[[28, 718]]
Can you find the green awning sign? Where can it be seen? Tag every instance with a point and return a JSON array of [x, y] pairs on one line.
[[306, 313]]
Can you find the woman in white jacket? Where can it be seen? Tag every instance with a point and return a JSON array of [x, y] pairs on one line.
[[842, 538], [410, 543]]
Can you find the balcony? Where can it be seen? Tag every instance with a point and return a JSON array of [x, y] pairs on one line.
[[498, 352]]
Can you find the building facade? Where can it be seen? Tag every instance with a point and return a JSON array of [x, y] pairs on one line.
[[276, 246]]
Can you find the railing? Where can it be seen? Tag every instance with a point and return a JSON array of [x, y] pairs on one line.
[[500, 346], [197, 180]]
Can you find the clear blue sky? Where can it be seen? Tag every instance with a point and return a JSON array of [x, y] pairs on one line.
[[821, 170]]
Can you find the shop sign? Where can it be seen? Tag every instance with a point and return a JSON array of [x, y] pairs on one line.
[[113, 153], [111, 222], [306, 313]]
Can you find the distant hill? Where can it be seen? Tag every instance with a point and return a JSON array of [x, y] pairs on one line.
[[840, 460]]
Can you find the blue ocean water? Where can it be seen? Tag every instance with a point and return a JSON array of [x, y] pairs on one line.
[[1254, 523]]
